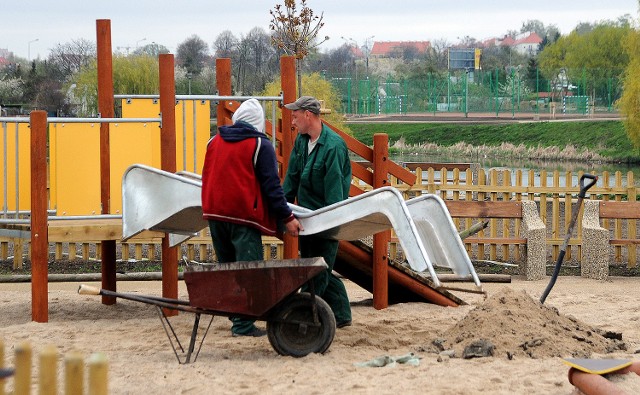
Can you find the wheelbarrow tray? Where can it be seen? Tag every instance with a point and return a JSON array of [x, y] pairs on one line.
[[250, 288]]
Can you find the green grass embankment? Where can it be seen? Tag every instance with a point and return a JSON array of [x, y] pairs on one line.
[[606, 138]]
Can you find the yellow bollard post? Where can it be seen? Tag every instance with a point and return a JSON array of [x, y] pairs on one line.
[[2, 366], [48, 381], [73, 374], [98, 374], [23, 369]]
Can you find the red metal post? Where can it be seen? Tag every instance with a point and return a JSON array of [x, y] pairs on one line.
[[39, 225], [288, 81], [106, 110], [168, 163], [380, 240]]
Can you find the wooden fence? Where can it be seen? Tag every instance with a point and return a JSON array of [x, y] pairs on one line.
[[555, 193], [74, 382]]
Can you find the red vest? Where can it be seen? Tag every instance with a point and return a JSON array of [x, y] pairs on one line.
[[230, 189]]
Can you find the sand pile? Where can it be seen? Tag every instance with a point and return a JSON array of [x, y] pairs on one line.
[[519, 326]]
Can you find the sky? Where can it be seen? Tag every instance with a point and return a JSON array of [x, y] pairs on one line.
[[30, 28]]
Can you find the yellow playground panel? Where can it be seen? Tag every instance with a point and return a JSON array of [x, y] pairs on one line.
[[190, 145], [75, 153], [15, 137]]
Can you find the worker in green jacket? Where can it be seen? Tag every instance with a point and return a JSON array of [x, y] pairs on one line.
[[319, 174]]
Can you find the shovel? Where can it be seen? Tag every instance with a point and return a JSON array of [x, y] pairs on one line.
[[583, 191]]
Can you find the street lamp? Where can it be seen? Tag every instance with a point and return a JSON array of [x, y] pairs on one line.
[[367, 52], [139, 41], [29, 48]]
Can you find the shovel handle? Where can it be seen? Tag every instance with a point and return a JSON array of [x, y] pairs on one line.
[[585, 187]]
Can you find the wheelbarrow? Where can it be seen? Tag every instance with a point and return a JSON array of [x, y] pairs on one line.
[[298, 323]]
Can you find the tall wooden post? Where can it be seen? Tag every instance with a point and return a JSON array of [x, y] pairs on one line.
[[106, 110], [223, 82], [380, 240], [168, 163], [288, 81], [39, 225]]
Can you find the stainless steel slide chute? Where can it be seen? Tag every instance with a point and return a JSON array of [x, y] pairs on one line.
[[157, 200]]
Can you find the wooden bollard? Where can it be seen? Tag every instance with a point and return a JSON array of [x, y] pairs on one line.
[[98, 377], [23, 369], [73, 374], [2, 365], [48, 381]]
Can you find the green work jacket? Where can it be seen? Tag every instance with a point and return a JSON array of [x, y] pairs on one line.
[[322, 177]]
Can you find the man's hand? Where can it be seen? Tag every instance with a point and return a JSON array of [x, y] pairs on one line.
[[294, 227]]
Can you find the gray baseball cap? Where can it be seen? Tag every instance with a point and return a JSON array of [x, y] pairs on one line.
[[308, 103]]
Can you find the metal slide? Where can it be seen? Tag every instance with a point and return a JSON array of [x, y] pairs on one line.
[[153, 199]]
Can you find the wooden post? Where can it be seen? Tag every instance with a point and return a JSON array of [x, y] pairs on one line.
[[22, 375], [168, 163], [288, 81], [381, 239], [223, 82], [98, 374], [2, 365], [73, 374], [39, 221], [106, 110], [48, 380]]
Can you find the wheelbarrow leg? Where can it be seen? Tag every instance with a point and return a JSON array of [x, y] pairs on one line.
[[312, 300], [194, 334]]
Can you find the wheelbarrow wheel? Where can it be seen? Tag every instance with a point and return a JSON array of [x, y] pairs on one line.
[[291, 328]]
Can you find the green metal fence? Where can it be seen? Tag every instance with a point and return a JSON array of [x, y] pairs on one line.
[[479, 91]]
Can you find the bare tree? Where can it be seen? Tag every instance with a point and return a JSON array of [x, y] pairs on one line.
[[153, 50], [534, 25], [67, 59], [438, 54], [295, 33], [192, 54], [225, 45], [336, 61]]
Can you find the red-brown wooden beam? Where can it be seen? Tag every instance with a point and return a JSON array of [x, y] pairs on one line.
[[168, 163], [288, 81], [355, 255], [106, 110], [39, 231], [381, 239], [223, 82]]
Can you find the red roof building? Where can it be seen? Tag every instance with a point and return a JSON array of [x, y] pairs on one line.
[[527, 45], [388, 49]]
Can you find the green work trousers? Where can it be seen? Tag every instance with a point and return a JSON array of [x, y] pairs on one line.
[[326, 284], [232, 243]]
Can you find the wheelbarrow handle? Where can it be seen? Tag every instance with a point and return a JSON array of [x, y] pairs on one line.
[[585, 187], [84, 289]]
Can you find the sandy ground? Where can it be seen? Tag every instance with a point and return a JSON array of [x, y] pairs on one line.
[[141, 360]]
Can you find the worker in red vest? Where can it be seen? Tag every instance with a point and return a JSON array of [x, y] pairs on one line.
[[242, 198]]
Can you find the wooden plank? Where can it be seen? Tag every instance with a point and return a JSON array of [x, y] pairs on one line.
[[437, 166], [484, 209], [620, 210], [483, 277], [87, 230], [360, 172], [494, 240], [624, 241]]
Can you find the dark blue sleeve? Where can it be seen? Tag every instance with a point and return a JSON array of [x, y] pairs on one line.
[[267, 174]]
